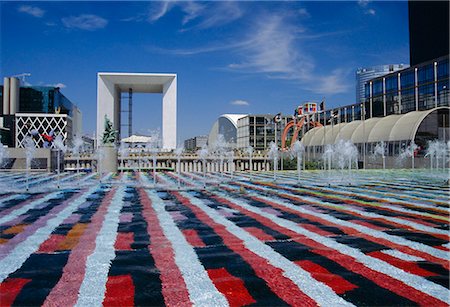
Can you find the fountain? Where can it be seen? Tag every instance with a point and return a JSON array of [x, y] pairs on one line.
[[230, 160], [249, 151], [219, 150], [2, 153], [327, 156], [203, 155], [76, 150], [30, 148], [408, 152], [59, 144], [179, 152], [273, 154], [123, 152], [153, 148], [438, 150], [380, 149], [297, 151]]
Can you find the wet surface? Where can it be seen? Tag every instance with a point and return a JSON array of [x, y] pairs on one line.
[[375, 239]]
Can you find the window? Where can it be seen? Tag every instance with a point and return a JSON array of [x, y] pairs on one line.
[[442, 69], [391, 84], [408, 100], [425, 74], [377, 106], [407, 79], [426, 97], [377, 88]]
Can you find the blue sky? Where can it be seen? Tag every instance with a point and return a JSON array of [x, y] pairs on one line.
[[230, 57]]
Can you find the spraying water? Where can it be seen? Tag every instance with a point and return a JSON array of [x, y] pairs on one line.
[[219, 150], [123, 152], [273, 154], [203, 155], [380, 150], [297, 151], [2, 153], [59, 144], [328, 156], [230, 160], [153, 148], [408, 152], [30, 148], [249, 151], [179, 152], [77, 148], [437, 150]]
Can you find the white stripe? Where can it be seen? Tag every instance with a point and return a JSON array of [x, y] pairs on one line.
[[318, 291], [365, 230], [93, 288], [407, 223], [399, 255], [202, 291], [412, 280], [22, 251], [16, 213]]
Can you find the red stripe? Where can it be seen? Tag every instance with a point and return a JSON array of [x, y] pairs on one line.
[[356, 233], [124, 241], [9, 290], [277, 282], [193, 238], [259, 233], [335, 282], [346, 261], [358, 203], [66, 290], [406, 266], [174, 288], [316, 229], [232, 287], [51, 244], [119, 291]]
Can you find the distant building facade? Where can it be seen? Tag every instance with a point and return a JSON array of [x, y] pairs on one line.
[[195, 143], [41, 108], [226, 125], [363, 75], [258, 131]]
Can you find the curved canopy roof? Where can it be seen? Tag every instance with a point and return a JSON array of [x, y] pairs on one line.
[[397, 127]]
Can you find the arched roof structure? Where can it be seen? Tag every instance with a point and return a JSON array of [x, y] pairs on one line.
[[226, 125], [397, 127]]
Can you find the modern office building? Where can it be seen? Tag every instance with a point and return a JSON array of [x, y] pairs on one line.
[[428, 30], [258, 131], [411, 105], [195, 143], [363, 75], [40, 108]]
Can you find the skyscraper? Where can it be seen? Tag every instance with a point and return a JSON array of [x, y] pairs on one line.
[[428, 30]]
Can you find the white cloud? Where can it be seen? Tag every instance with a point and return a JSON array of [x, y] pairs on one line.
[[60, 85], [85, 22], [363, 3], [32, 10], [371, 12], [303, 13], [240, 102], [159, 10], [199, 16]]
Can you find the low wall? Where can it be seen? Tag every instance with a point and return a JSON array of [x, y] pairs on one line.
[[15, 159]]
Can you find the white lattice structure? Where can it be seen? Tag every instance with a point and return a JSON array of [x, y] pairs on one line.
[[43, 123]]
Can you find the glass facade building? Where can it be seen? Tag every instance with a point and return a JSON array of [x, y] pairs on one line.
[[363, 75], [418, 88], [43, 99], [258, 131]]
